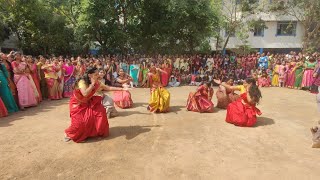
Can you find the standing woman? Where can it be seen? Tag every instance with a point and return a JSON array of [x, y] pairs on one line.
[[5, 92], [200, 101], [69, 78], [26, 93], [165, 76], [35, 77], [316, 76], [134, 73], [275, 74], [80, 69], [160, 97], [140, 78], [291, 74], [88, 116], [298, 71], [282, 74], [59, 64], [145, 71], [308, 78], [6, 61], [124, 66], [43, 84], [243, 112], [52, 79]]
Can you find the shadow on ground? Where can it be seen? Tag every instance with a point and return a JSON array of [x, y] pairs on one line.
[[129, 113], [264, 121], [176, 109], [139, 104], [130, 132], [44, 106]]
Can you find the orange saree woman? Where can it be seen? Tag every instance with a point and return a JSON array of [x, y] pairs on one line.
[[200, 101]]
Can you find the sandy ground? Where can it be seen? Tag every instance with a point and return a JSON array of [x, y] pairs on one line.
[[176, 145]]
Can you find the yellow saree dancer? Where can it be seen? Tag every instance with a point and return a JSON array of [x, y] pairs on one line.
[[160, 97]]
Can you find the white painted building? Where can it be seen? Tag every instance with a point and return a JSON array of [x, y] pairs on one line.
[[283, 33]]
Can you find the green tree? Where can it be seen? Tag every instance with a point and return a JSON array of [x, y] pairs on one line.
[[308, 13], [237, 17], [39, 29], [4, 31], [174, 26]]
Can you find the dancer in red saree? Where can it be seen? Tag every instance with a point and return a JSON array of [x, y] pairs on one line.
[[200, 101], [88, 116], [243, 112]]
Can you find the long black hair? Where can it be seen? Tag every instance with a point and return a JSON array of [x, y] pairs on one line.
[[254, 91], [85, 77], [208, 83]]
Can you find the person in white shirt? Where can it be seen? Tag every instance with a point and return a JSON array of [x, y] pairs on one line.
[[174, 82]]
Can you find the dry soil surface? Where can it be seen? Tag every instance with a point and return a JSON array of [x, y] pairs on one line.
[[176, 145]]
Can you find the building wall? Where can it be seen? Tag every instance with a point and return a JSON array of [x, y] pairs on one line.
[[270, 39]]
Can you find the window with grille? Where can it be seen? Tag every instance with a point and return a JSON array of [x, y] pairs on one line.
[[286, 28]]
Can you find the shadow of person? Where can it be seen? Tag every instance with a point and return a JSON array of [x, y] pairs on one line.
[[264, 121], [129, 113], [139, 104], [45, 106], [129, 132], [216, 109], [176, 109]]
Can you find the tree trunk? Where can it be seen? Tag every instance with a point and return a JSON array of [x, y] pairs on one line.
[[226, 42], [217, 43]]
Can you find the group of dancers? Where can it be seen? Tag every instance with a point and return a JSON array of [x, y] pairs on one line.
[[89, 114], [25, 81], [90, 108]]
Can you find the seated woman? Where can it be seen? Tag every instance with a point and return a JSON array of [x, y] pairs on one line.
[[123, 98], [173, 82], [107, 101], [198, 80], [226, 96], [193, 80], [88, 116], [200, 101], [264, 80], [243, 112], [160, 98]]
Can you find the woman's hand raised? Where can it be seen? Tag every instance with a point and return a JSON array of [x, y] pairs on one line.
[[217, 81]]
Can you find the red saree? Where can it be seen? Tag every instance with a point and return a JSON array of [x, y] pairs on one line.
[[200, 101], [242, 114], [88, 116], [3, 109]]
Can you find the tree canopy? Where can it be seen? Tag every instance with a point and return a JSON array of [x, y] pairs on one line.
[[123, 26], [142, 26]]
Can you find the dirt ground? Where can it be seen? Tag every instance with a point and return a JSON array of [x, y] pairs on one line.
[[176, 145]]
